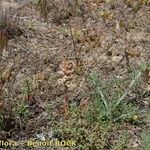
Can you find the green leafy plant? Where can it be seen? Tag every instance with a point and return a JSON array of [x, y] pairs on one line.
[[108, 100], [145, 140]]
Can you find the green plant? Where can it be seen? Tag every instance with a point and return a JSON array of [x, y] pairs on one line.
[[107, 112], [21, 108], [146, 140], [86, 136], [108, 102]]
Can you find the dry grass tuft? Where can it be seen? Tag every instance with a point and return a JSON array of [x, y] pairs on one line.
[[9, 27]]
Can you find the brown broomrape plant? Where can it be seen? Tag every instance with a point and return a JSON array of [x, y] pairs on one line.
[[66, 79]]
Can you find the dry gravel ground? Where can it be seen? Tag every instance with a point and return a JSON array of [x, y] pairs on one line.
[[99, 36]]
